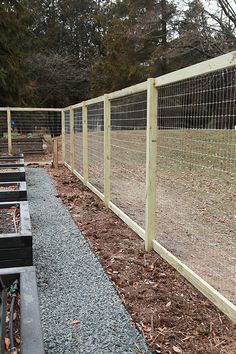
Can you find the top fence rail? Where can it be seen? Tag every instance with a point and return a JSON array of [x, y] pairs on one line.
[[221, 62]]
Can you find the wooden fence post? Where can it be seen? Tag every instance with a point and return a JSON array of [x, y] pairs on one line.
[[9, 136], [85, 142], [151, 161], [107, 150], [63, 136], [72, 139], [55, 153]]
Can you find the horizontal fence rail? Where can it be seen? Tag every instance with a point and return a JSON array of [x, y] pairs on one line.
[[162, 155]]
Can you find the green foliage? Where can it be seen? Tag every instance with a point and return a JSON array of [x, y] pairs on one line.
[[57, 52], [15, 38]]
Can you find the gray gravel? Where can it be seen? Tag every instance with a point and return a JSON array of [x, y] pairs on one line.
[[72, 285]]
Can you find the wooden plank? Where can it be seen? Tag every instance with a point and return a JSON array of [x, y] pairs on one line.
[[67, 165], [128, 90], [81, 178], [212, 294], [151, 162], [63, 135], [72, 139], [9, 137], [95, 190], [205, 67], [94, 100], [131, 223], [85, 142], [33, 109], [107, 150]]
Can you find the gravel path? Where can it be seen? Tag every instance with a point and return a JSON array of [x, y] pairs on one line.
[[72, 284]]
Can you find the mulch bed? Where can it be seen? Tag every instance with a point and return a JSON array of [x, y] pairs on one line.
[[173, 316]]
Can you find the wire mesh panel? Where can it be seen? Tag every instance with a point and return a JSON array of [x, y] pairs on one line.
[[196, 175], [67, 137], [128, 149], [78, 127], [96, 145], [32, 132], [3, 132]]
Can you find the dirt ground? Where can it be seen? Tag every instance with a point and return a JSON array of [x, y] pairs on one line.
[[173, 316]]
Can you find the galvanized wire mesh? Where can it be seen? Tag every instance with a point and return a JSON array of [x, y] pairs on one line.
[[128, 150], [32, 132], [78, 128], [67, 137], [3, 132], [196, 175], [96, 145]]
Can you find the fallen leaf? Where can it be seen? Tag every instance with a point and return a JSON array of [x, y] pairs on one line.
[[7, 343], [17, 339], [177, 350], [75, 322]]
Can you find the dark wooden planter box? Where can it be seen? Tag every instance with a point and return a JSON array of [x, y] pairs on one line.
[[9, 195], [16, 248], [12, 163], [32, 145], [30, 324], [10, 157], [18, 174]]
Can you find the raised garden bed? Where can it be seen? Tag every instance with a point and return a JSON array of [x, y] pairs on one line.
[[13, 191], [18, 286], [17, 162], [33, 145], [15, 235], [10, 158], [12, 174]]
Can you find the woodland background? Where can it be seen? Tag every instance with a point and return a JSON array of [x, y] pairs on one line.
[[54, 53]]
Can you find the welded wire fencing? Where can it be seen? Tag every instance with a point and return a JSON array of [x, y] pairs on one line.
[[95, 114], [30, 131], [196, 171], [162, 156], [128, 155]]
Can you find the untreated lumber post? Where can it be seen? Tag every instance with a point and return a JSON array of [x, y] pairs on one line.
[[63, 136], [72, 139], [55, 153], [9, 136], [151, 157], [107, 150], [85, 142]]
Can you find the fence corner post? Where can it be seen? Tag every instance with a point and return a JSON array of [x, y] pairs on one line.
[[107, 150], [151, 161], [72, 139], [63, 136], [85, 142], [9, 135]]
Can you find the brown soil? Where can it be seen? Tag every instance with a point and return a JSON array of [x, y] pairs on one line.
[[8, 188], [9, 220], [12, 169], [173, 316]]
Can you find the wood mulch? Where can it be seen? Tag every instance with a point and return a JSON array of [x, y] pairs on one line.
[[173, 316]]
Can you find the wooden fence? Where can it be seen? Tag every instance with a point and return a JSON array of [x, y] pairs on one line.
[[93, 132]]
